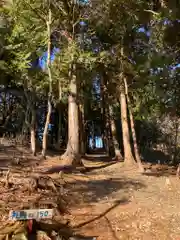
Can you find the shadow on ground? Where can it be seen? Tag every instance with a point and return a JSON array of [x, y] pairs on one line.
[[95, 190], [97, 158], [66, 231], [91, 162], [103, 214], [71, 169]]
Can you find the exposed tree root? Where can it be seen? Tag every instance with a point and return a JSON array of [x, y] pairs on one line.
[[130, 162], [18, 230], [140, 167], [31, 183], [44, 192], [69, 158], [178, 171]]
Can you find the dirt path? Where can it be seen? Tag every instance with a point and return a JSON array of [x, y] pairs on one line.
[[115, 203]]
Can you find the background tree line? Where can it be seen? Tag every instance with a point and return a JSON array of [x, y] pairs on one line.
[[115, 75]]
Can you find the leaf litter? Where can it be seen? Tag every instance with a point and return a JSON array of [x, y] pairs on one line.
[[109, 203]]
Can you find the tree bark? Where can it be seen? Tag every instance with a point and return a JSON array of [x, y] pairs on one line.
[[135, 145], [59, 138], [103, 120], [82, 130], [72, 154], [25, 125], [33, 132], [30, 124], [117, 151], [136, 150], [107, 129], [60, 116], [128, 156], [45, 133], [176, 128]]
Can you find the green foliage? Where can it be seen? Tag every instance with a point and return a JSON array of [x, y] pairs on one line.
[[146, 61]]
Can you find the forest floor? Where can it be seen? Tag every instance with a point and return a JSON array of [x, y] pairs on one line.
[[107, 200]]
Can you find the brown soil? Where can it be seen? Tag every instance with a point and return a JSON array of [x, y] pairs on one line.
[[107, 200]]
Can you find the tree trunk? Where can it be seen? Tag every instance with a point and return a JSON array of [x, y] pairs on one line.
[[117, 151], [60, 115], [26, 124], [59, 138], [30, 122], [82, 135], [128, 156], [175, 152], [33, 132], [72, 154], [107, 142], [103, 120], [45, 133], [136, 150], [82, 130], [107, 129]]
